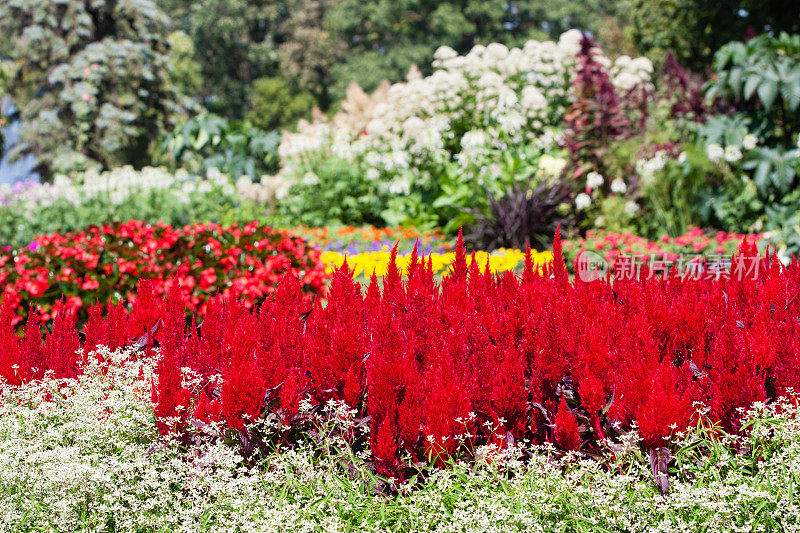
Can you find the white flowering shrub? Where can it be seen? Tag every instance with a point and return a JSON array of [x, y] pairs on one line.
[[470, 127], [726, 174], [115, 186], [85, 455]]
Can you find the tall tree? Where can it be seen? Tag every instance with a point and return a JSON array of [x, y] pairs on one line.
[[234, 43], [323, 45], [308, 50], [693, 30], [384, 37]]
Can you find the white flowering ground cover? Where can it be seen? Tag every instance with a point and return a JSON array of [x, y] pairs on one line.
[[114, 186], [85, 456]]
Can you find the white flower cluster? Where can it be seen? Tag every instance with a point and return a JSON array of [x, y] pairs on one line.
[[618, 186], [114, 186], [648, 168], [594, 180], [582, 201], [731, 153], [268, 190], [471, 108], [552, 166], [628, 73]]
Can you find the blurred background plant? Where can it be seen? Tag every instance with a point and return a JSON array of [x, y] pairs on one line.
[[151, 195], [433, 150], [334, 193], [732, 162], [503, 118], [209, 141], [276, 104], [91, 81]]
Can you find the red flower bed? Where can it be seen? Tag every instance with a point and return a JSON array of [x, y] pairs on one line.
[[101, 264], [436, 370]]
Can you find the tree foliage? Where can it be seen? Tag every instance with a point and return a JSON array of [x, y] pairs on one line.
[[186, 73], [92, 79], [695, 29], [385, 37], [324, 45], [308, 50], [276, 104], [234, 44]]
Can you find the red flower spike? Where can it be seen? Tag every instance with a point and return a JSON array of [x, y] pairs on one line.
[[384, 449], [242, 393], [559, 268], [527, 273], [566, 432], [459, 266]]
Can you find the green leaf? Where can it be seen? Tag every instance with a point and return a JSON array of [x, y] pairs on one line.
[[767, 92], [750, 85], [791, 94], [201, 140], [735, 81], [762, 175]]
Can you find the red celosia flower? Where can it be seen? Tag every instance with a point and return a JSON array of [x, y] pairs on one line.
[[242, 393], [438, 369], [566, 432]]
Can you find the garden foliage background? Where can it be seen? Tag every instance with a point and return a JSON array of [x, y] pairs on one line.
[[504, 120]]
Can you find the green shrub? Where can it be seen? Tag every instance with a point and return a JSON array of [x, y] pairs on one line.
[[186, 74], [275, 104], [337, 193], [758, 145], [210, 141]]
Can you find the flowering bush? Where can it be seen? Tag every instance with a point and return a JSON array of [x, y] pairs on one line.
[[437, 371], [599, 115], [479, 122], [732, 161], [113, 187], [152, 194], [756, 175], [104, 264], [92, 81]]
